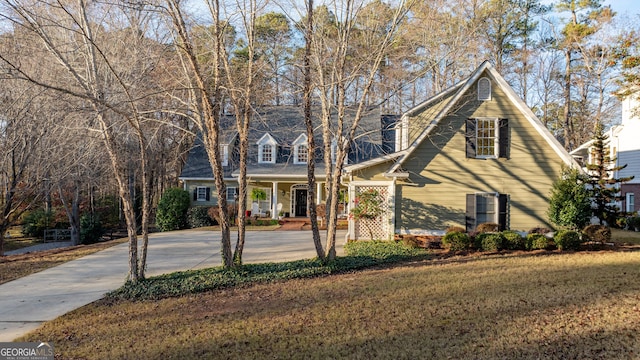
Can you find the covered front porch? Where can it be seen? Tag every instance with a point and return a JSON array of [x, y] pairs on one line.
[[285, 198]]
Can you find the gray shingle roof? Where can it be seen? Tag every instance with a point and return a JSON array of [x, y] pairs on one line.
[[285, 124]]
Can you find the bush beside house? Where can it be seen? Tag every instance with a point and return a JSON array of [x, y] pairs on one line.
[[172, 210]]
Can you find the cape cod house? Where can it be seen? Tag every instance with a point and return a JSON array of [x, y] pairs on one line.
[[277, 159], [472, 154]]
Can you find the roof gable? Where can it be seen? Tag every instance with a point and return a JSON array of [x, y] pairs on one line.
[[462, 89], [267, 139]]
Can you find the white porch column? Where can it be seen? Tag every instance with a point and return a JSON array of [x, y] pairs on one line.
[[274, 201], [318, 193]]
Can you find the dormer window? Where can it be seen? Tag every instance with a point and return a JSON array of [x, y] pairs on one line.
[[484, 89], [301, 150], [267, 153], [267, 149], [303, 153]]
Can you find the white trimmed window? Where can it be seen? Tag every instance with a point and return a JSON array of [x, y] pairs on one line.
[[484, 89], [201, 193], [630, 200], [303, 153], [267, 149], [267, 153], [486, 137], [487, 208], [300, 150], [231, 193]]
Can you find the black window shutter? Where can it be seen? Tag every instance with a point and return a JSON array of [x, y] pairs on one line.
[[195, 194], [504, 138], [503, 200], [208, 196], [470, 218], [470, 135]]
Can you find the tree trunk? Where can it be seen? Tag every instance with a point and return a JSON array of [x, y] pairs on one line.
[[311, 177], [568, 128]]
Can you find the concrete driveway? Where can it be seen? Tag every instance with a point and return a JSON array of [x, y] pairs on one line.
[[28, 302]]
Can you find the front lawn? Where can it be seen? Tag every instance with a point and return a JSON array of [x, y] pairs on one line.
[[625, 237], [16, 266], [549, 305]]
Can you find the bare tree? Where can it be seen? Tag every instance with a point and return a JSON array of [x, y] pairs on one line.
[[101, 58], [22, 128], [203, 81], [335, 73]]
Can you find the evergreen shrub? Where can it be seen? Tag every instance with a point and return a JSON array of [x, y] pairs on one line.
[[91, 229], [172, 210], [513, 240], [567, 240], [490, 241], [455, 241], [537, 241], [198, 216]]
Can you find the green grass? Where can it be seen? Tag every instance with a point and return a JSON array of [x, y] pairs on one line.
[[581, 305], [361, 255]]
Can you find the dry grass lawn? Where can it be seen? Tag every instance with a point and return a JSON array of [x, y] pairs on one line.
[[582, 305], [16, 266]]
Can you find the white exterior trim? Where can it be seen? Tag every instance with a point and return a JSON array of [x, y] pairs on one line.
[[499, 80], [302, 140], [267, 140], [351, 233]]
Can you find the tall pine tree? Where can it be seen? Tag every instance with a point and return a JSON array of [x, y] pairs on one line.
[[605, 187]]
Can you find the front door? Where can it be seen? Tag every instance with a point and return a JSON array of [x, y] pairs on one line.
[[301, 202]]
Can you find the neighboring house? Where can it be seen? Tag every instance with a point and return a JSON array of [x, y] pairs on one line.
[[472, 154], [624, 147], [277, 159]]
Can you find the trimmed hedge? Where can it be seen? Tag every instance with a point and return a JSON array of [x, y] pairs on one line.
[[513, 240], [537, 241], [567, 240], [455, 241], [490, 241]]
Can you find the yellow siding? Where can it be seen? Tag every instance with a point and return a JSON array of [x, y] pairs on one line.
[[420, 121], [442, 175], [191, 186], [373, 173]]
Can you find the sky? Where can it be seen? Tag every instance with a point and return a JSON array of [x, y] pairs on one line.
[[621, 7], [624, 7]]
